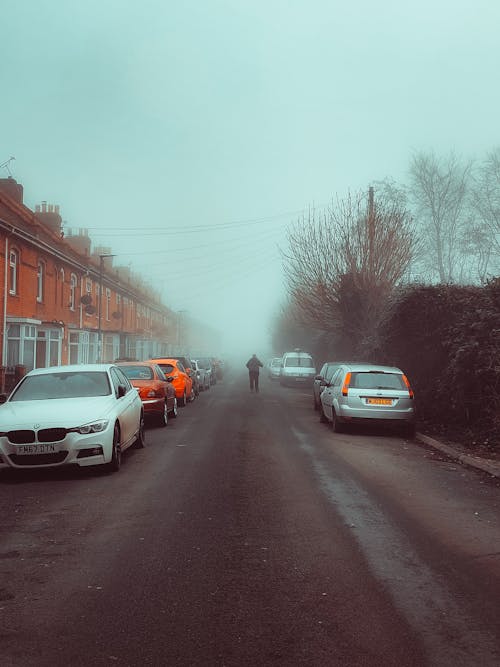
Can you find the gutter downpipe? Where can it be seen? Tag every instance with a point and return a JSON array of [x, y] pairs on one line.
[[4, 324]]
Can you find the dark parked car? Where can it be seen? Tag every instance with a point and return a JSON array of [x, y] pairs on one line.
[[207, 364]]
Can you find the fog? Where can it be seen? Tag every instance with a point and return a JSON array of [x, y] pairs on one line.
[[187, 136]]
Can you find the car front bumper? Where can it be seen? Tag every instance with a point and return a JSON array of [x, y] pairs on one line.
[[75, 449]]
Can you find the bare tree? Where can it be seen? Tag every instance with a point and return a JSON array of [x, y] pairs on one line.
[[352, 254], [485, 204], [439, 190]]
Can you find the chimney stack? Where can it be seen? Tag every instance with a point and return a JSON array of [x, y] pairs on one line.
[[12, 189], [49, 217], [80, 242]]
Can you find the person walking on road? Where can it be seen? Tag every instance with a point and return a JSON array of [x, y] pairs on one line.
[[253, 365]]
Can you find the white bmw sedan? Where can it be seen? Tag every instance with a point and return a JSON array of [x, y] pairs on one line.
[[85, 415]]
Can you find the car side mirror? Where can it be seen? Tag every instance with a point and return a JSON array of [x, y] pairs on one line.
[[170, 378], [122, 390]]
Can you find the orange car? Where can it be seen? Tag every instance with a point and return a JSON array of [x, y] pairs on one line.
[[183, 384], [156, 392]]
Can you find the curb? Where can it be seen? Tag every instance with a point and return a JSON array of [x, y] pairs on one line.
[[486, 465]]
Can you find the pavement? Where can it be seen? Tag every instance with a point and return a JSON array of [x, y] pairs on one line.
[[490, 466]]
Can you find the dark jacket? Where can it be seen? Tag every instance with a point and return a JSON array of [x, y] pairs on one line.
[[253, 364]]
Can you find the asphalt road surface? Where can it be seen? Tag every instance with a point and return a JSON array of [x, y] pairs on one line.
[[248, 533]]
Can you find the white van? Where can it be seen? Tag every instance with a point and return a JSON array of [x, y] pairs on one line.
[[297, 367]]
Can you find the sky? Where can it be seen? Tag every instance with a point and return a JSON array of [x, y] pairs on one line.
[[188, 136]]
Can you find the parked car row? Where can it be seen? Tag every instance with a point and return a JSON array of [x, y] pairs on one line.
[[346, 393], [89, 414]]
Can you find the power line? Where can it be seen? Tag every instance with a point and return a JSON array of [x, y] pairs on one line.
[[200, 228], [236, 243], [221, 284]]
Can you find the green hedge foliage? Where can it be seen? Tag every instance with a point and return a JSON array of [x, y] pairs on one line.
[[447, 340]]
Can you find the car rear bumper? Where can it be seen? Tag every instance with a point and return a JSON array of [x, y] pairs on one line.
[[349, 413], [153, 405], [290, 380]]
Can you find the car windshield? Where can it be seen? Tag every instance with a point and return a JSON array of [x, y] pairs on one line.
[[138, 372], [77, 384], [302, 362], [373, 380]]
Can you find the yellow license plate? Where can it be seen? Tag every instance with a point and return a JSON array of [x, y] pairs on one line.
[[379, 401]]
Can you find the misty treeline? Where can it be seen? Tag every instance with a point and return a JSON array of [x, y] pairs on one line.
[[344, 263], [349, 269]]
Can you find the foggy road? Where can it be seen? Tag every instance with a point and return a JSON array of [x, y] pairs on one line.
[[248, 533]]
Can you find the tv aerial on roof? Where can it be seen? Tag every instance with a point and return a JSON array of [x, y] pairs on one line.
[[5, 165]]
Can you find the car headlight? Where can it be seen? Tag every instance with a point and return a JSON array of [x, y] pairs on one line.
[[93, 427]]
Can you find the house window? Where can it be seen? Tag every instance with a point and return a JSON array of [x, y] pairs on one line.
[[13, 271], [40, 280], [72, 291], [82, 347], [61, 275], [48, 348], [21, 345]]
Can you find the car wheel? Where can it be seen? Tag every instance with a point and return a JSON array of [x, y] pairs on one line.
[[182, 400], [116, 456], [163, 417], [174, 409], [337, 426], [192, 395], [140, 441], [322, 416]]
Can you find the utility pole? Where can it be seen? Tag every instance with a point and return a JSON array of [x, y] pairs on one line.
[[180, 330], [99, 307], [371, 230]]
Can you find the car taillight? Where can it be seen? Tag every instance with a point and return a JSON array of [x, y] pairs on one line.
[[345, 386], [410, 390]]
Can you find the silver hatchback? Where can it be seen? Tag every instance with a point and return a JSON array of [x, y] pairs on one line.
[[363, 393]]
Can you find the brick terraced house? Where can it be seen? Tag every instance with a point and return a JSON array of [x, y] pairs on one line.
[[61, 303]]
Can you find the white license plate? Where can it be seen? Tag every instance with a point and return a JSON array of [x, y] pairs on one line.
[[379, 401], [45, 448]]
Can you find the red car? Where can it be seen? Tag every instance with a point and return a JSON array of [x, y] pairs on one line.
[[183, 384], [156, 391]]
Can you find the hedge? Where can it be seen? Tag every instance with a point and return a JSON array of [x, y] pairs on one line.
[[447, 340]]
